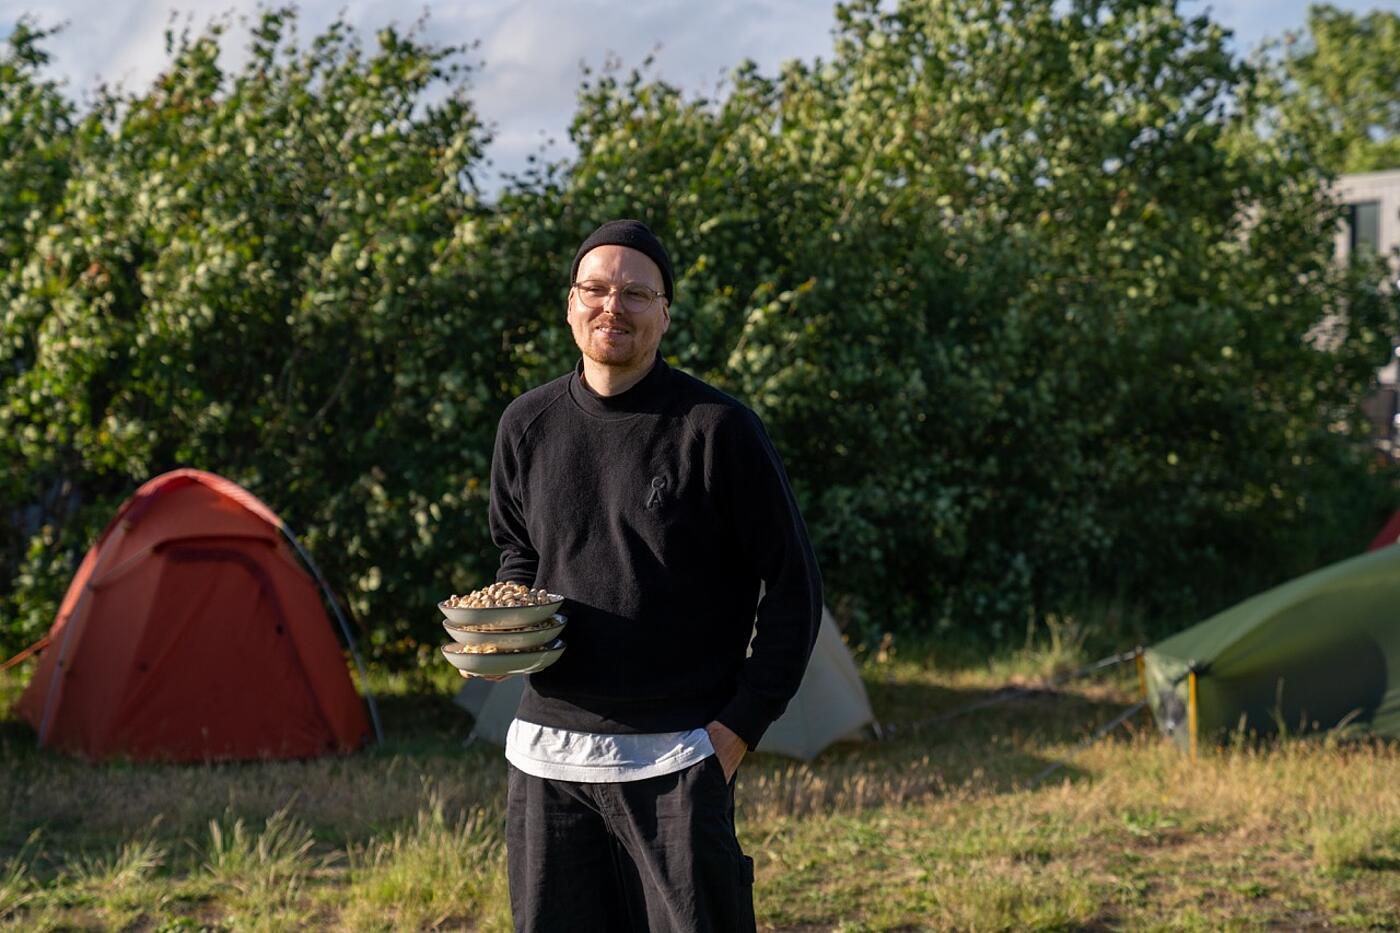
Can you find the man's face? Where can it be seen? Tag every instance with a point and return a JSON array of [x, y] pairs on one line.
[[612, 336]]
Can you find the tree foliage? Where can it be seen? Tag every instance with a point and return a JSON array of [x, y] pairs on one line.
[[1022, 297], [1338, 85], [1032, 311], [261, 274]]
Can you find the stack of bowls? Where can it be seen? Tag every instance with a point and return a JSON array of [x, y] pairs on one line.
[[501, 640]]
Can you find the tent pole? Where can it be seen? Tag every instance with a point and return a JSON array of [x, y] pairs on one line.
[[1191, 710], [344, 627]]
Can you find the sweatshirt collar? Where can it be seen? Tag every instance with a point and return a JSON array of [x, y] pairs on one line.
[[646, 396]]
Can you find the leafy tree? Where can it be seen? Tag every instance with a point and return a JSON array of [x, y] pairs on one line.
[[36, 124], [1338, 84], [1023, 300], [266, 274]]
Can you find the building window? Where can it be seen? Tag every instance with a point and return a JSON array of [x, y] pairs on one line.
[[1364, 227]]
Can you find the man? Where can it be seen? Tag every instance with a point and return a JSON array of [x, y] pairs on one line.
[[657, 505]]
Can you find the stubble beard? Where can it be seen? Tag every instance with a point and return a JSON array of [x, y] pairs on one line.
[[623, 354]]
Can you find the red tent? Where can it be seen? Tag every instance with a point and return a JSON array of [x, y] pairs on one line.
[[191, 633], [1387, 535]]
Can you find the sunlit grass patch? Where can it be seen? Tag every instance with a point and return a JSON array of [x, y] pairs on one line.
[[441, 871], [1342, 844], [17, 886], [264, 872], [134, 863], [129, 886], [921, 866], [118, 886], [1010, 895]]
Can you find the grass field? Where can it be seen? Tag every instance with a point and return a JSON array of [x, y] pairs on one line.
[[935, 827]]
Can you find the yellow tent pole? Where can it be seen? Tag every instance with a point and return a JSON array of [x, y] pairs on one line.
[[1142, 675], [1191, 711]]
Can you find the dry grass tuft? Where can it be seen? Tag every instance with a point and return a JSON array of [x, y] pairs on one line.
[[263, 864], [439, 872], [260, 877], [16, 885], [134, 863]]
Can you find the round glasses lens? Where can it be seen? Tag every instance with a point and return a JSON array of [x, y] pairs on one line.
[[636, 298], [593, 294]]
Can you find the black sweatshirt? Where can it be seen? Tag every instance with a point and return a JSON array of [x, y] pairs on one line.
[[657, 512]]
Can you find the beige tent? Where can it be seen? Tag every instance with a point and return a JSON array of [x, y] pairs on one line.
[[831, 705]]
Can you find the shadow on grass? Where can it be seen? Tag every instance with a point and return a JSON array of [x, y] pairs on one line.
[[19, 744], [939, 741], [998, 739], [414, 724], [1379, 863]]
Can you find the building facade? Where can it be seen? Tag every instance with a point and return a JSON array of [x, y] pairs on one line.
[[1372, 224]]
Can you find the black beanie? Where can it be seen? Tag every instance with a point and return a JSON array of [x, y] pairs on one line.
[[632, 234]]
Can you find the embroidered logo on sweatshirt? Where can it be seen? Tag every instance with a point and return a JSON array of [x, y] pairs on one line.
[[658, 483]]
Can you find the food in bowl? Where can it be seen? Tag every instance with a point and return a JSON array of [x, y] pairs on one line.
[[486, 649], [501, 596], [501, 606]]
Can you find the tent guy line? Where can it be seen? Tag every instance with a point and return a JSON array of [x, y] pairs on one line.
[[1099, 733]]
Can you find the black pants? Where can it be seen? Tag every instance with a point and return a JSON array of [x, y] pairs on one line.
[[658, 854]]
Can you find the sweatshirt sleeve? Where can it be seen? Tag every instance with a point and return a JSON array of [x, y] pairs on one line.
[[509, 530], [773, 538]]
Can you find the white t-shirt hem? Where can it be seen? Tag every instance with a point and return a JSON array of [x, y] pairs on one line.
[[594, 758]]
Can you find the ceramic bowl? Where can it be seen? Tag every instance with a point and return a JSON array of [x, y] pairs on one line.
[[507, 639], [501, 617], [503, 662]]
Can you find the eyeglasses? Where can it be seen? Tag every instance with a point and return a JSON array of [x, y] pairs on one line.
[[636, 297]]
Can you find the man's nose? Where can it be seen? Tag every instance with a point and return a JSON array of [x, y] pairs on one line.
[[612, 301]]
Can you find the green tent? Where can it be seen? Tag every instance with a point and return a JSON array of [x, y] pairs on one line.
[[1317, 652]]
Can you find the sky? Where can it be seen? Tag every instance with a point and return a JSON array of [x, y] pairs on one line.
[[531, 51]]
